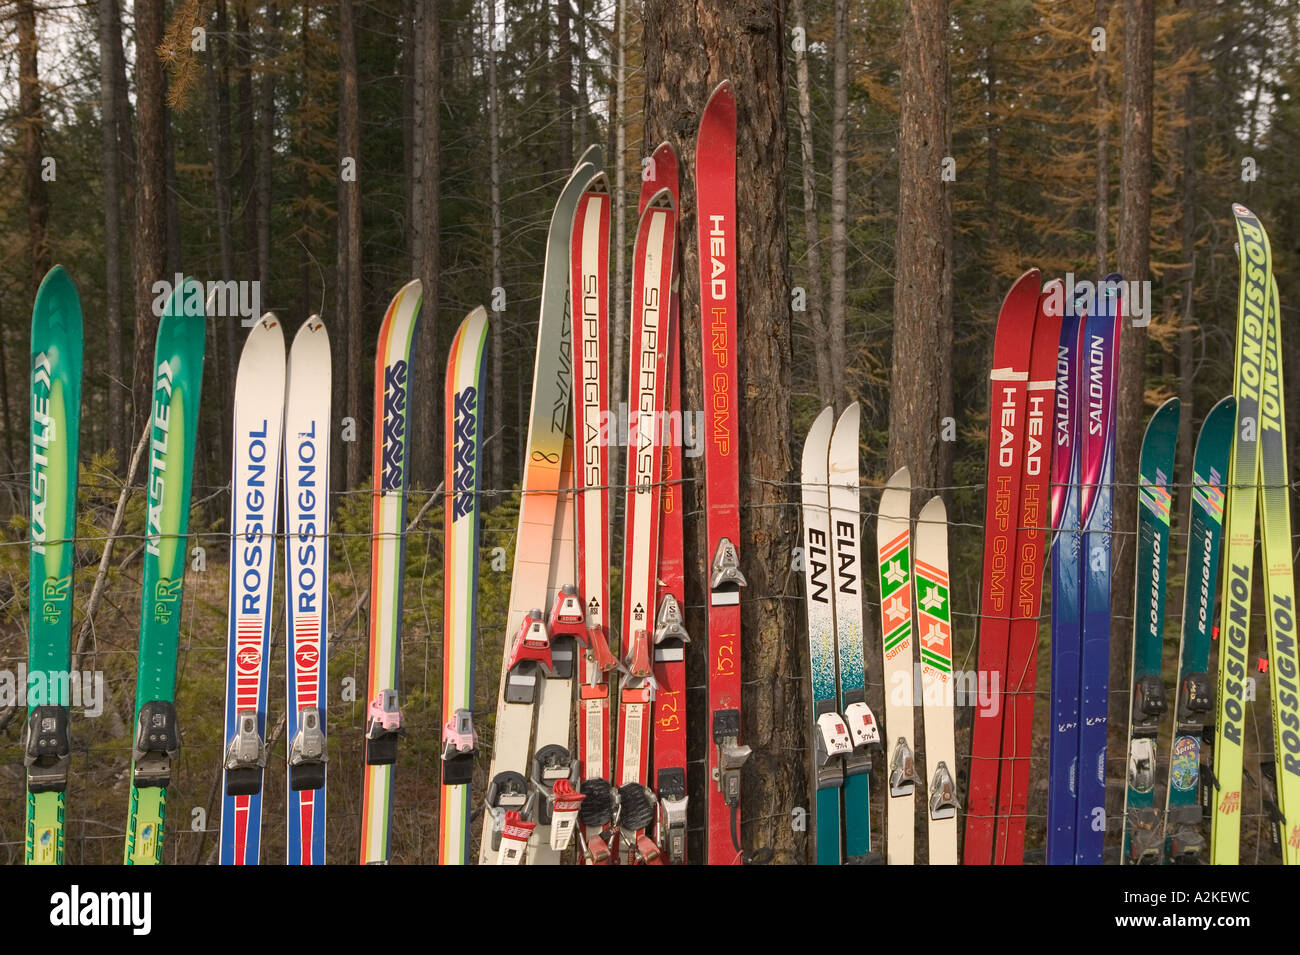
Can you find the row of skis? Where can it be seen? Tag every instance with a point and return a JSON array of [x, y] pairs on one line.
[[622, 795], [1049, 490]]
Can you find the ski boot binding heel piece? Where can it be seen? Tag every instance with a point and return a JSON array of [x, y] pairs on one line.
[[383, 729], [567, 626], [47, 749], [725, 577], [943, 794], [530, 652], [902, 770], [672, 814], [832, 744], [508, 793], [157, 743], [864, 734], [245, 757], [458, 743], [307, 756]]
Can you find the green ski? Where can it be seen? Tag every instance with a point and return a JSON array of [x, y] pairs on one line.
[[177, 380], [55, 426]]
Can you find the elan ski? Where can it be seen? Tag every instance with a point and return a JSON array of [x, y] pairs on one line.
[[306, 585], [55, 429], [392, 459], [177, 384], [715, 179], [1182, 824], [463, 401], [254, 508], [1144, 836]]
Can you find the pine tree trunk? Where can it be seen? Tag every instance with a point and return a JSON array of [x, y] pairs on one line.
[[616, 359], [425, 445], [247, 179], [266, 143], [839, 198], [33, 130], [349, 230], [117, 437], [1187, 323], [689, 48], [564, 81], [1102, 208], [216, 74], [921, 376], [498, 476]]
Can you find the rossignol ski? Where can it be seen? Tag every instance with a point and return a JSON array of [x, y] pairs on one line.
[[934, 646], [463, 401], [306, 586], [1253, 296], [177, 384], [392, 459], [715, 183], [843, 493], [1185, 842], [528, 656], [254, 509], [1144, 836], [1032, 526], [1100, 364], [1067, 629], [54, 434], [894, 561], [1009, 375]]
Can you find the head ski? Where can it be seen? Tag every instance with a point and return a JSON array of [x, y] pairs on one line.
[[894, 557], [54, 433], [254, 507], [715, 183], [1144, 836], [934, 646], [1192, 704], [1009, 376], [177, 383], [306, 585], [392, 459], [1239, 535], [463, 401]]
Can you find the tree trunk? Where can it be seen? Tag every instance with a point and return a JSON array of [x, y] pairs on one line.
[[616, 359], [117, 437], [564, 81], [244, 112], [216, 74], [689, 48], [150, 199], [349, 229], [993, 184], [1102, 225], [425, 443], [410, 66], [266, 144], [839, 197], [498, 477], [921, 377], [33, 129], [816, 323], [1187, 324]]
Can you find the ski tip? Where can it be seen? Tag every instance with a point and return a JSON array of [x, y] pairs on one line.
[[816, 445], [849, 418], [662, 199], [57, 293], [900, 480], [1241, 212], [723, 91], [473, 326], [934, 511], [269, 321], [720, 106], [844, 440], [593, 155]]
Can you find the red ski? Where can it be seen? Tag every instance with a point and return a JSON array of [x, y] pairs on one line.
[[1031, 534], [1009, 375], [715, 183]]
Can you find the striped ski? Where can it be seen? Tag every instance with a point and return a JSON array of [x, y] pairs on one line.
[[306, 572], [392, 459], [463, 401], [177, 384], [54, 434], [254, 509]]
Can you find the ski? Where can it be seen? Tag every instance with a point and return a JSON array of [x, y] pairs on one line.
[[1239, 535], [528, 652], [1100, 367], [1009, 376], [934, 646], [715, 178], [668, 745], [254, 509], [177, 386], [54, 433], [1032, 527], [463, 401], [392, 459], [831, 742], [894, 560], [843, 469], [1279, 585], [1067, 631], [1182, 823], [306, 586], [1144, 835]]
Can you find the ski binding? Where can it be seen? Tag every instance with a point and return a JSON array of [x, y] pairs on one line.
[[725, 574], [307, 755], [245, 757], [383, 729], [672, 814], [530, 652], [157, 743], [902, 770], [943, 794], [731, 754], [47, 749]]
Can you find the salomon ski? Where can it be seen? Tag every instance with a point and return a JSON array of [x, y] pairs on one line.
[[934, 646], [392, 459], [55, 428], [177, 383]]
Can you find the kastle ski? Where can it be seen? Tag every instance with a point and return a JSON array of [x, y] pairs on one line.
[[392, 459], [934, 646], [894, 559], [1032, 526], [1009, 376], [54, 435], [463, 401], [177, 384], [715, 183], [1254, 294], [1144, 835], [306, 584], [254, 510], [1192, 705]]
